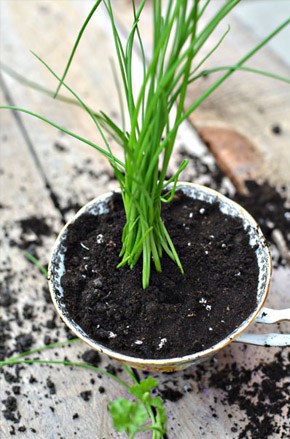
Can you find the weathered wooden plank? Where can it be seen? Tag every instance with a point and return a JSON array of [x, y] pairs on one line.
[[24, 294], [76, 172], [191, 416], [235, 155], [252, 104]]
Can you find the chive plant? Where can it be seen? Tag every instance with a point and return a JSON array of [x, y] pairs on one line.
[[155, 113]]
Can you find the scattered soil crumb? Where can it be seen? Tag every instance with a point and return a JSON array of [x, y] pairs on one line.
[[50, 384], [86, 395], [92, 357], [171, 394]]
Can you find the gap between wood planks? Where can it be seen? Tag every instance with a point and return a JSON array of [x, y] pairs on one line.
[[31, 148], [192, 410]]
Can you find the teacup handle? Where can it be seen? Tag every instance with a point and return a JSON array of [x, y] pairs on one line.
[[268, 316]]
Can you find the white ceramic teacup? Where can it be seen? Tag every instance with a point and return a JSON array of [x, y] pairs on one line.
[[260, 314]]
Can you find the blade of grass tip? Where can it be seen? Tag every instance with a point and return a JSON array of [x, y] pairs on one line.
[[84, 106], [32, 259], [119, 92], [171, 246], [176, 93], [44, 348], [143, 58], [101, 117], [201, 12], [72, 364], [242, 68], [70, 133], [211, 51], [155, 254], [128, 65], [118, 45], [146, 263], [137, 246], [86, 22], [249, 55], [34, 85], [129, 51], [181, 167], [212, 24], [173, 179]]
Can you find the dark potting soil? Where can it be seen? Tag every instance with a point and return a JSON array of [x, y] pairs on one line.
[[261, 394], [268, 207], [32, 231], [36, 225], [177, 314]]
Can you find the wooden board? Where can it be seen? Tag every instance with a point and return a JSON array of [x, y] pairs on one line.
[[62, 165], [38, 157], [24, 197]]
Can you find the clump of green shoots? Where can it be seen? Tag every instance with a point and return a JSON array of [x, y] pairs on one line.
[[155, 113]]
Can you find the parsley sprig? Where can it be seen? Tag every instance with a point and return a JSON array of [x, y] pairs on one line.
[[145, 412], [133, 417]]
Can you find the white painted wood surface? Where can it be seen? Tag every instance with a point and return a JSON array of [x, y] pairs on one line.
[[49, 28]]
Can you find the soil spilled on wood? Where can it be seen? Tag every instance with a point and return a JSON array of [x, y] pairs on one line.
[[256, 399], [262, 407], [268, 207], [198, 308]]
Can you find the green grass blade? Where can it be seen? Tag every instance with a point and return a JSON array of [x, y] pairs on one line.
[[249, 55], [204, 59], [119, 92], [70, 133], [43, 348], [203, 9], [86, 22], [84, 106], [32, 259], [104, 120], [67, 363], [244, 69]]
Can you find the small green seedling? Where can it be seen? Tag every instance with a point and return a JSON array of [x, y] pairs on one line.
[[132, 417]]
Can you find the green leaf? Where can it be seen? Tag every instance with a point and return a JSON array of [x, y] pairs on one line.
[[156, 402], [142, 390], [94, 8], [127, 416], [161, 418]]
